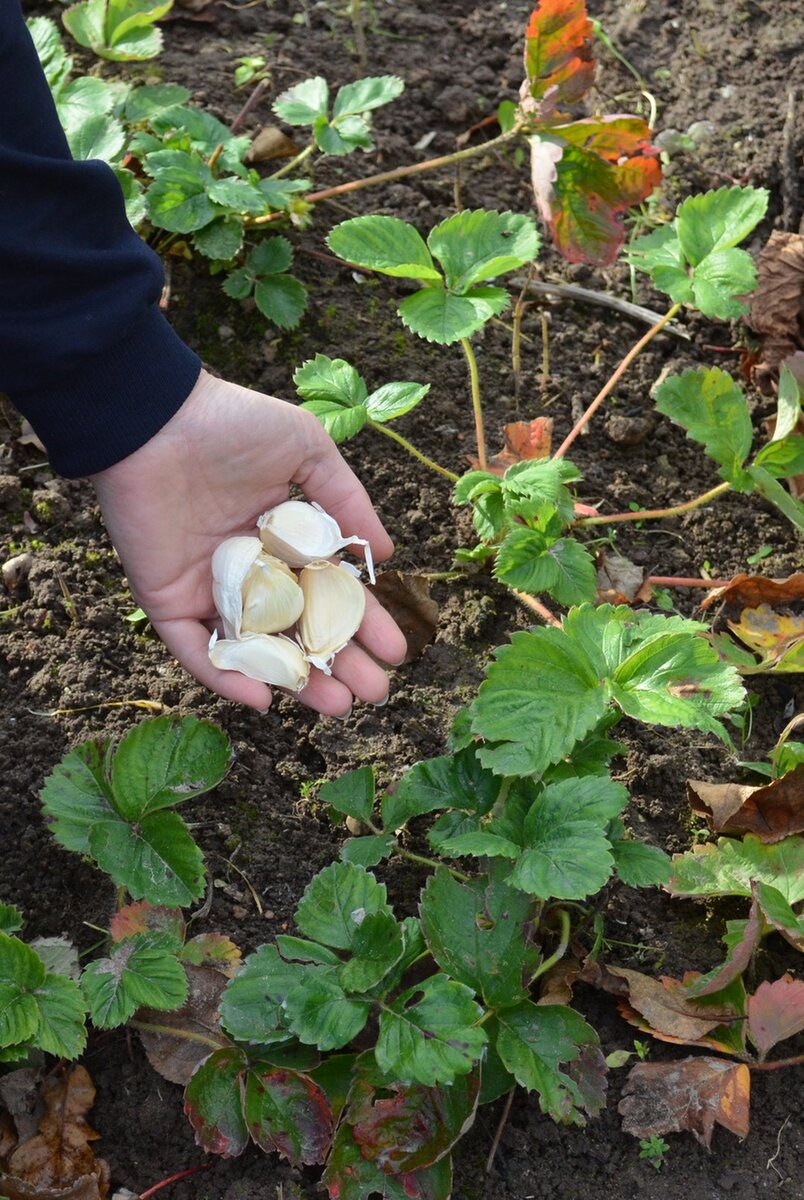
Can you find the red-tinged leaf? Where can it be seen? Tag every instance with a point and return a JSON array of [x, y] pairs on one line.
[[738, 958], [349, 1176], [583, 197], [773, 811], [142, 917], [558, 51], [213, 950], [589, 1072], [177, 1042], [417, 1126], [213, 1103], [524, 440], [288, 1113], [775, 1012], [749, 591], [694, 1094], [615, 137]]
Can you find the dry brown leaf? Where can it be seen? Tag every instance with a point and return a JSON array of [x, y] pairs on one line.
[[58, 1161], [175, 1057], [269, 143], [619, 581], [407, 598], [19, 1093], [775, 1012], [778, 639], [749, 591], [772, 811], [523, 440], [693, 1094], [661, 1007], [777, 305]]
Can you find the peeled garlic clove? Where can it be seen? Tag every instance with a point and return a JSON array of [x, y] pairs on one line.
[[231, 563], [272, 598], [299, 533], [334, 604], [262, 656]]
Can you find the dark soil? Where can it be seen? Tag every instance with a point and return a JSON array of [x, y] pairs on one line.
[[67, 646]]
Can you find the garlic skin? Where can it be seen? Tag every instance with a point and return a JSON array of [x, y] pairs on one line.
[[334, 605], [301, 533], [262, 656], [253, 592]]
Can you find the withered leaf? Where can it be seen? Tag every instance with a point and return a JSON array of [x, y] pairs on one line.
[[619, 581], [58, 1161], [749, 591], [407, 598], [776, 638], [742, 940], [772, 811], [522, 441], [693, 1094], [176, 1056], [142, 917], [776, 309], [775, 1012], [269, 143], [19, 1093], [662, 1007]]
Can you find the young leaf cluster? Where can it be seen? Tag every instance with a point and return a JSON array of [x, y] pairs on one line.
[[118, 30], [337, 395], [116, 805], [41, 1005], [347, 125]]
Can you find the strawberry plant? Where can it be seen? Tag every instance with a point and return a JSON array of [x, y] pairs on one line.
[[119, 30]]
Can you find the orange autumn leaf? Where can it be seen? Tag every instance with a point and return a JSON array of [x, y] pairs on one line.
[[694, 1094], [523, 440]]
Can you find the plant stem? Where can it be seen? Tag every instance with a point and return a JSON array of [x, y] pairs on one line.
[[174, 1179], [424, 861], [683, 581], [292, 163], [796, 1061], [214, 156], [608, 388], [561, 948], [500, 1127], [252, 102], [171, 1031], [356, 13], [430, 164], [540, 609], [477, 407], [652, 514], [411, 449]]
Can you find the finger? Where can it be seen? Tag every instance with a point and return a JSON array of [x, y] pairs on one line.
[[327, 695], [380, 634], [363, 677], [188, 641], [325, 478]]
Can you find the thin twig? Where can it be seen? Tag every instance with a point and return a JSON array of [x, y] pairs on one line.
[[495, 1145], [570, 291], [796, 1061], [174, 1179], [771, 1163], [790, 165], [655, 514], [252, 102]]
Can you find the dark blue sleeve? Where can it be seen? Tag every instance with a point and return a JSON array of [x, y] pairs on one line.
[[85, 352]]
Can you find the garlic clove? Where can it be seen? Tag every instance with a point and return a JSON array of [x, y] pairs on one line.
[[231, 563], [272, 598], [262, 656], [334, 604], [300, 533]]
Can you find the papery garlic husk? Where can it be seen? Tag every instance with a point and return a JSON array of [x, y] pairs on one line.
[[253, 592], [334, 604], [262, 656], [301, 533]]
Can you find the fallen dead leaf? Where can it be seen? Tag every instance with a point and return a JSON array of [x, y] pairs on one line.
[[407, 598], [619, 581], [776, 638], [776, 305], [269, 143], [775, 1012], [749, 591], [176, 1056], [523, 440], [772, 811], [19, 1094], [694, 1094], [85, 1188]]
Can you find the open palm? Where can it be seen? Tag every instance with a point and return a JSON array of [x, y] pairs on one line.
[[227, 456]]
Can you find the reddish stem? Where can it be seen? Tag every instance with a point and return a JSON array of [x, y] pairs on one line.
[[683, 581], [540, 609], [174, 1179], [797, 1061]]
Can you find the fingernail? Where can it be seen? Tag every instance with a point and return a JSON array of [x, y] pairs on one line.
[[263, 711], [342, 716], [382, 703]]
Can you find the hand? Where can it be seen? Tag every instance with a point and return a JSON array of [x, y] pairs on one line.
[[225, 457]]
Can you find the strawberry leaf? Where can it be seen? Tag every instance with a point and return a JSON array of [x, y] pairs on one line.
[[350, 1176], [416, 1127], [394, 400], [775, 1012], [352, 794], [212, 1102], [474, 246], [729, 867], [141, 972], [534, 1040], [713, 410], [452, 781], [558, 51], [439, 316], [301, 104], [163, 762], [430, 1034], [336, 902], [384, 244], [288, 1112], [718, 220]]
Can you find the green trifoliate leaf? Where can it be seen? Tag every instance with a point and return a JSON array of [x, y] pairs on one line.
[[61, 1017], [384, 244], [213, 1103], [100, 137], [474, 246], [301, 104], [22, 973], [141, 972], [719, 282], [237, 284], [529, 488], [718, 220], [350, 1176], [84, 98], [353, 793], [146, 102], [589, 798], [10, 918], [76, 797], [332, 380], [659, 254], [778, 913], [365, 94], [165, 761], [772, 490], [377, 947], [155, 858], [321, 1014], [177, 200], [533, 563], [289, 1113], [533, 1042], [452, 781], [474, 484], [368, 851], [476, 933], [282, 299], [251, 1007], [395, 399], [439, 316], [430, 1033], [570, 861], [342, 137], [729, 867], [237, 194], [336, 902], [639, 865], [221, 240]]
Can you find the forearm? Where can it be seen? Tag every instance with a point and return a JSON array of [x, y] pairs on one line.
[[85, 353]]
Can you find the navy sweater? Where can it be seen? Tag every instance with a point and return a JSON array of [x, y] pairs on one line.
[[85, 352]]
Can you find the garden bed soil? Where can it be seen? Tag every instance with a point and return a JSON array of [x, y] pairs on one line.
[[66, 643]]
